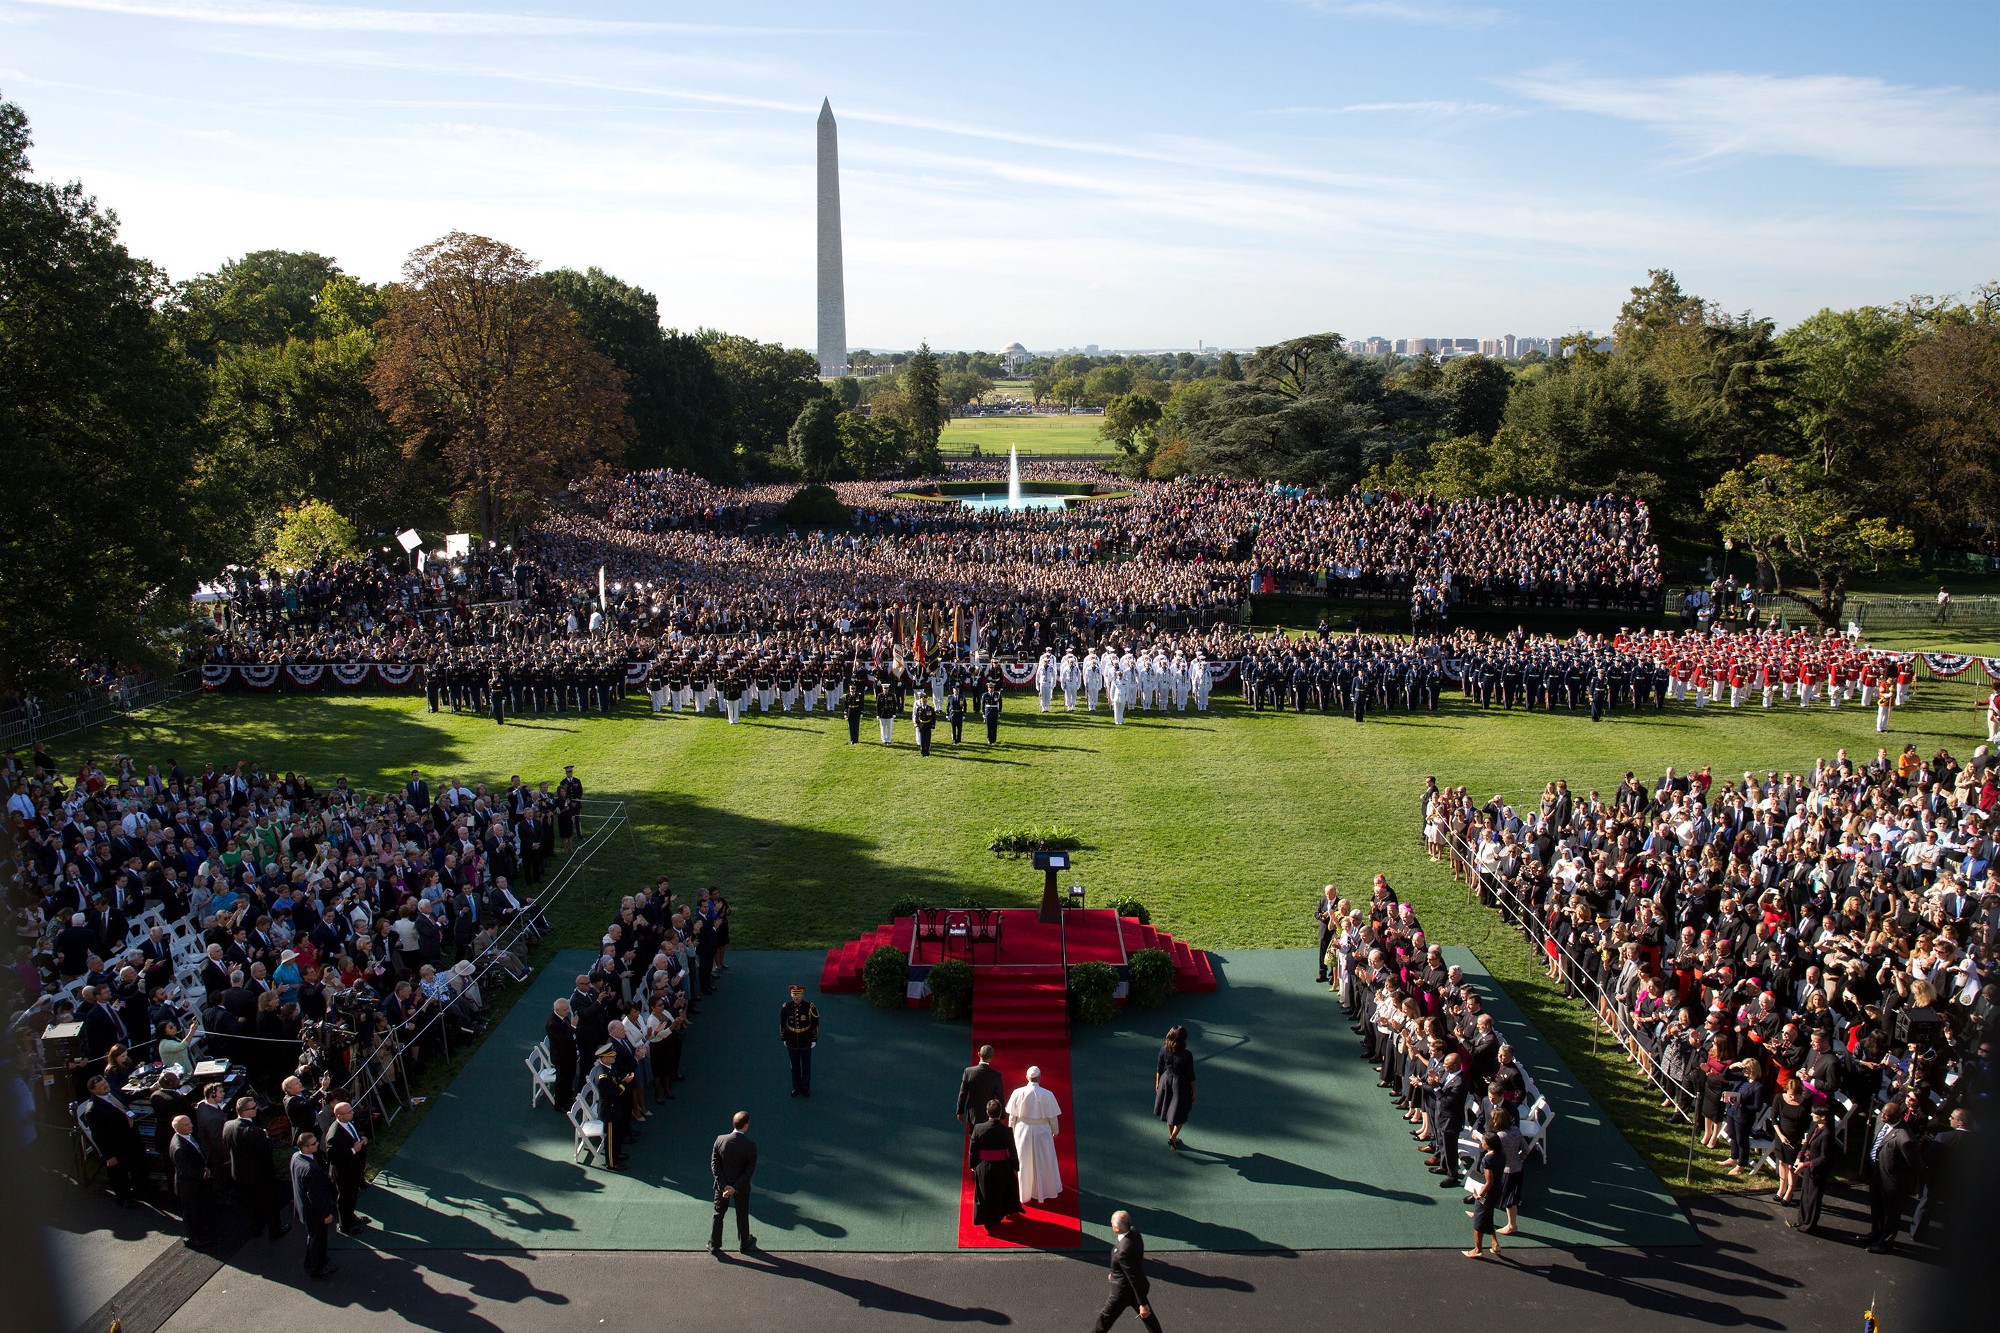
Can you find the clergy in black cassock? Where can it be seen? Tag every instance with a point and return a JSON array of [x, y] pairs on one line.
[[996, 1169]]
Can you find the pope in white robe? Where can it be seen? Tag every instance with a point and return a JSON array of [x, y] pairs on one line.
[[1034, 1113]]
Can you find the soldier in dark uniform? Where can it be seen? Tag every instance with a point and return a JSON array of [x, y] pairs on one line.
[[954, 713], [432, 684], [1600, 694], [926, 719], [989, 709], [1359, 692], [798, 1027], [856, 705], [614, 1106], [496, 690]]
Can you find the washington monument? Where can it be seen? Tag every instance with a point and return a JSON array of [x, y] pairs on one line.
[[832, 290]]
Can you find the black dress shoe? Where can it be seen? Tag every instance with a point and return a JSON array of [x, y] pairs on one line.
[[1450, 1184], [324, 1273], [749, 1243], [715, 1250]]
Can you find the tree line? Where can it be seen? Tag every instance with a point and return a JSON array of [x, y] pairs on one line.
[[278, 406]]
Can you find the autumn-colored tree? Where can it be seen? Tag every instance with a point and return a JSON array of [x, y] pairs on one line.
[[479, 363]]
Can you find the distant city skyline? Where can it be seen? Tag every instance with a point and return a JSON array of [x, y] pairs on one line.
[[1386, 164]]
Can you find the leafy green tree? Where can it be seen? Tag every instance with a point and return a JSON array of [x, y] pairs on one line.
[[1656, 313], [259, 300], [1042, 386], [1786, 512], [962, 386], [872, 445], [309, 532], [767, 385], [1069, 390], [298, 421], [347, 305], [813, 444], [1594, 424], [1107, 382], [1475, 392], [1421, 372], [926, 411], [847, 392], [1128, 419], [103, 529], [1840, 358], [1229, 367]]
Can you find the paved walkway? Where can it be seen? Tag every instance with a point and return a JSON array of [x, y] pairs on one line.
[[1748, 1272]]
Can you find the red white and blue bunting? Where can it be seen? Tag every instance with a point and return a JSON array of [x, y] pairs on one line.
[[1946, 665]]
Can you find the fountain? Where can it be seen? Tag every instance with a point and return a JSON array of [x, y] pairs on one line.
[[1013, 501]]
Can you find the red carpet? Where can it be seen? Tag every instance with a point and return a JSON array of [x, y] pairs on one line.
[[1019, 1010]]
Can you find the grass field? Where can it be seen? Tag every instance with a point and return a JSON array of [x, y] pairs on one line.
[[1043, 434], [1225, 824]]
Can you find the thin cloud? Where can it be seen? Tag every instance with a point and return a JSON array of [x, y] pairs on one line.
[[1841, 119], [1426, 15], [429, 23], [1432, 110]]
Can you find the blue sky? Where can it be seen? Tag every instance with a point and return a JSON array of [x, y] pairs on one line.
[[1128, 175]]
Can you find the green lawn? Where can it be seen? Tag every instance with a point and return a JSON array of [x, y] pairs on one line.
[[1043, 434], [1225, 825]]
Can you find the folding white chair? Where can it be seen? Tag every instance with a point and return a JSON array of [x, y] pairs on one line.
[[1534, 1127], [589, 1127], [541, 1076]]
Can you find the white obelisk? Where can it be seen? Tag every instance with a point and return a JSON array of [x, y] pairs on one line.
[[832, 289]]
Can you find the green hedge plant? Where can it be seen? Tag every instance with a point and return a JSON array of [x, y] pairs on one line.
[[1135, 909], [1151, 972], [1094, 986], [951, 989], [886, 977]]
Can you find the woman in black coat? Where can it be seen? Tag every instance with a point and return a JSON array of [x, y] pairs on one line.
[[1173, 1084]]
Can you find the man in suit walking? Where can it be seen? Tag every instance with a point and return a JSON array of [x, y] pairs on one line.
[[347, 1162], [733, 1162], [313, 1202], [247, 1149], [191, 1174], [976, 1087], [1128, 1277], [1448, 1121]]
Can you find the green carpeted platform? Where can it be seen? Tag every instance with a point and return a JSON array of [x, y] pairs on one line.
[[1292, 1147], [869, 1163]]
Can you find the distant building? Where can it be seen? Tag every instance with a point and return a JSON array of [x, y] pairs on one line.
[[1015, 357], [1507, 347]]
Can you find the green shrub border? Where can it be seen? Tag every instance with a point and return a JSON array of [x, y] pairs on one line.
[[1151, 974], [886, 977], [1095, 987]]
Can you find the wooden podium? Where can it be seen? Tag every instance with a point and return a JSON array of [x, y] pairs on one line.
[[1051, 864]]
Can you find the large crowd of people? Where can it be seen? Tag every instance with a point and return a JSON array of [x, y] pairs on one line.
[[1791, 956], [651, 558], [234, 943]]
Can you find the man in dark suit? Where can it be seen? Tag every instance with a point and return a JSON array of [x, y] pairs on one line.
[[248, 1151], [191, 1176], [313, 1202], [347, 1162], [733, 1162], [976, 1087], [1129, 1287], [560, 1031], [416, 791], [116, 1139], [1892, 1170], [1447, 1122], [614, 1105], [169, 1101], [1944, 1156]]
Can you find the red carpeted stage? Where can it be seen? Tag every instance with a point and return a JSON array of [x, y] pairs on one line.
[[1019, 999]]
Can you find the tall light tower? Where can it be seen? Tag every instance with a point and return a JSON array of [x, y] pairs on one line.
[[832, 287]]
